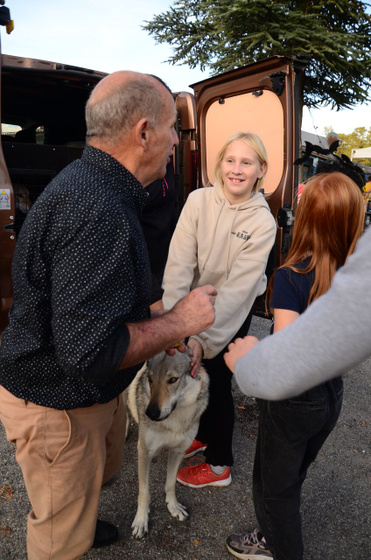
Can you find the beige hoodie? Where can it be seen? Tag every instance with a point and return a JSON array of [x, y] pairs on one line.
[[226, 245]]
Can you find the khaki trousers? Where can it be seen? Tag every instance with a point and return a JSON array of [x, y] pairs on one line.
[[65, 457]]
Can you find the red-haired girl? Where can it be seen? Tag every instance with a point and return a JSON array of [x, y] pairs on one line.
[[329, 221]]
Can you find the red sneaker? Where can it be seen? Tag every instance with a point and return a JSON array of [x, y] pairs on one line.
[[195, 447], [202, 475]]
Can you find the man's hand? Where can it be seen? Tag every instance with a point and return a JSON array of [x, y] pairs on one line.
[[191, 315], [196, 309], [179, 347], [195, 349], [237, 349]]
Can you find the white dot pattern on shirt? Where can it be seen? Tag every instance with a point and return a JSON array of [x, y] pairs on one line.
[[80, 271]]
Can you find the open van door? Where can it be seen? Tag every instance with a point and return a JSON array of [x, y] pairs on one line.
[[43, 129], [7, 212], [186, 154], [262, 98]]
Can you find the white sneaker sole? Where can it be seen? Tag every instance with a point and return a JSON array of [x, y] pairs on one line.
[[188, 455], [224, 482], [254, 556]]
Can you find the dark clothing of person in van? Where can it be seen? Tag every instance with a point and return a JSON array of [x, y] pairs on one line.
[[80, 272], [158, 220]]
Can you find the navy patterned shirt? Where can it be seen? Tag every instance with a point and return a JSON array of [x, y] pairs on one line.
[[80, 272]]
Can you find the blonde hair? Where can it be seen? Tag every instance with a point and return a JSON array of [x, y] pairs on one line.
[[329, 221], [252, 140]]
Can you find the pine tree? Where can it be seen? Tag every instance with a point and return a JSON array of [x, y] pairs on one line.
[[226, 34]]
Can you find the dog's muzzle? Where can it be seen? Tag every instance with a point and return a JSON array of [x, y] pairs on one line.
[[156, 414]]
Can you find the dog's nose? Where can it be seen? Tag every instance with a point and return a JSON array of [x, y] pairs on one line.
[[153, 412]]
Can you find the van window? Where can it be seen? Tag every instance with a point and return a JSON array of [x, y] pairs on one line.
[[9, 130], [40, 134], [260, 112]]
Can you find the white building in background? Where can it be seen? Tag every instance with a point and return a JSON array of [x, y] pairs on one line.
[[361, 153]]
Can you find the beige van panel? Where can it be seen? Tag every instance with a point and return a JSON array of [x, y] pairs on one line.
[[7, 244], [261, 114], [186, 109]]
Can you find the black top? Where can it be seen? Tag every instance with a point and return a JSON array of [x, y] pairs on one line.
[[80, 271], [291, 289], [159, 219]]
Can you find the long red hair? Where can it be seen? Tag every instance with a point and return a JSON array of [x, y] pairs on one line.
[[329, 221]]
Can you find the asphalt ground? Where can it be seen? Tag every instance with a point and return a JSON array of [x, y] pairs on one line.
[[335, 498]]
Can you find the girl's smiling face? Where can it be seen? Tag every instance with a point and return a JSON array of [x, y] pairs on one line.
[[240, 169]]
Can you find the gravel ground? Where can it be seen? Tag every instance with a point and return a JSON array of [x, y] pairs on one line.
[[335, 498]]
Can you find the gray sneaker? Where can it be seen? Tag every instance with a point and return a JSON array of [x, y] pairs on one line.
[[249, 546]]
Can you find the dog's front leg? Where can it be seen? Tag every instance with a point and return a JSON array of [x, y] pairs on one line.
[[140, 523], [176, 509]]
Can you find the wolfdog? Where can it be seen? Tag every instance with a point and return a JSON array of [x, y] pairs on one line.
[[167, 403]]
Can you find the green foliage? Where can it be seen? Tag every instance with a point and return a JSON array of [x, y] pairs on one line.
[[226, 34], [359, 138]]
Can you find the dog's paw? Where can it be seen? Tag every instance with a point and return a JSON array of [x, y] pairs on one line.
[[140, 526], [177, 510]]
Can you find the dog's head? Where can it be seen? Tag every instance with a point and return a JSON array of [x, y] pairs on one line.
[[167, 379]]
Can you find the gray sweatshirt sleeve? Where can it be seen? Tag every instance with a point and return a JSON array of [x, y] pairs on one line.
[[331, 337]]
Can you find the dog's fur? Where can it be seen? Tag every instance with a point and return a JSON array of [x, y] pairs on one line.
[[167, 403]]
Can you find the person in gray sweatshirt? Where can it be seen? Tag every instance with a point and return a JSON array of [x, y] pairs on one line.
[[332, 336]]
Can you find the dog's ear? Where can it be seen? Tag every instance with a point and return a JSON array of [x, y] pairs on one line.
[[158, 361], [183, 359]]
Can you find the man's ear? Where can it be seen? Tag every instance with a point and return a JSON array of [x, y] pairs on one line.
[[141, 133]]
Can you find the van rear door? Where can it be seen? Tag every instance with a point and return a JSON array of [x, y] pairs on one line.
[[7, 208], [42, 131], [186, 155], [262, 98]]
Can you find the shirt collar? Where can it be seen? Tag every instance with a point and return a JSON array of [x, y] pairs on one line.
[[111, 166]]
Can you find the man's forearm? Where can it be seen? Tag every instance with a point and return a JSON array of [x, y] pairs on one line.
[[147, 338], [191, 315]]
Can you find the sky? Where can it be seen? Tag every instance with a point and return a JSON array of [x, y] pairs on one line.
[[107, 36]]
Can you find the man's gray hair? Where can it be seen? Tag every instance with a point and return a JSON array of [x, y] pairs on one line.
[[115, 114]]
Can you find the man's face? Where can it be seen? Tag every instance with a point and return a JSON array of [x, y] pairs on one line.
[[163, 140]]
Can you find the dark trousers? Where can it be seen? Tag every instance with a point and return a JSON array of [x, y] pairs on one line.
[[291, 433], [217, 422]]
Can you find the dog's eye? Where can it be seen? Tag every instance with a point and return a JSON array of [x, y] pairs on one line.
[[173, 379]]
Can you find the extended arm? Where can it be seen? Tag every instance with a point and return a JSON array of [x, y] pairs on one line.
[[332, 336]]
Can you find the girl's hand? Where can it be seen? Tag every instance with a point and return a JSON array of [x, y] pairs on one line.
[[156, 306], [157, 312], [196, 351], [237, 349]]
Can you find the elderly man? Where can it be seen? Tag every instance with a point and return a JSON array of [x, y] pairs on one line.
[[80, 326]]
